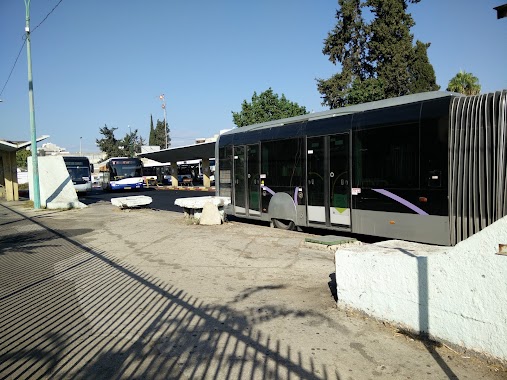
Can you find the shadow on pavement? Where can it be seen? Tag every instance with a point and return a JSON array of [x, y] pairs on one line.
[[91, 316]]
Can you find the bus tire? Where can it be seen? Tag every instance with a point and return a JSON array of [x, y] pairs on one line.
[[288, 225]]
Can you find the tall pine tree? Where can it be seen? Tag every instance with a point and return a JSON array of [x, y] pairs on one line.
[[422, 74], [346, 44], [378, 59], [160, 135], [152, 139]]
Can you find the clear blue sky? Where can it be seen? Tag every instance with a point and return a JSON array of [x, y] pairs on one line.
[[99, 62]]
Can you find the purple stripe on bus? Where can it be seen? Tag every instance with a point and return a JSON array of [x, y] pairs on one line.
[[273, 193], [404, 202], [268, 190]]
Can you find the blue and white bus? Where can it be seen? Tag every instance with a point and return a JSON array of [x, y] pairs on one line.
[[122, 173], [80, 172]]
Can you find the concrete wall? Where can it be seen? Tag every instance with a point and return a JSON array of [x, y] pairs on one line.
[[56, 188], [456, 294]]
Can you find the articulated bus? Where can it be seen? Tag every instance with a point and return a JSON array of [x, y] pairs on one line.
[[80, 172], [122, 173], [428, 167]]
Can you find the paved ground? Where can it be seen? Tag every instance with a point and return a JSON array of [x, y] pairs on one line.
[[142, 294]]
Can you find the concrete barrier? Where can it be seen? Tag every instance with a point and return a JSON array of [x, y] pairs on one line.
[[193, 206], [454, 294], [56, 188]]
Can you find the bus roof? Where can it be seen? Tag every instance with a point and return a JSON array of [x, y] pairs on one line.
[[385, 103]]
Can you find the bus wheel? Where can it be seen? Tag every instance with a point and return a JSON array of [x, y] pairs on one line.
[[284, 224]]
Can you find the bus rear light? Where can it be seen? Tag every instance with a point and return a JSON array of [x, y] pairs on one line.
[[423, 199]]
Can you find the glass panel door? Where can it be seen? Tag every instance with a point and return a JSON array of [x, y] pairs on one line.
[[239, 179], [339, 201], [317, 179], [328, 180], [253, 170]]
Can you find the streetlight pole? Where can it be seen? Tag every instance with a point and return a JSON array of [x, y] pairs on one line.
[[35, 162], [165, 118], [80, 139]]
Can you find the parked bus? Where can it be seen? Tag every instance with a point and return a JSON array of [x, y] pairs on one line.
[[122, 173], [80, 172], [428, 167], [193, 169], [157, 174]]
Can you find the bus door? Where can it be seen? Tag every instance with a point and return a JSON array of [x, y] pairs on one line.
[[239, 179], [254, 182], [328, 180], [247, 180]]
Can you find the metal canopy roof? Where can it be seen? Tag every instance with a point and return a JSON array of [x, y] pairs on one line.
[[182, 153], [13, 146]]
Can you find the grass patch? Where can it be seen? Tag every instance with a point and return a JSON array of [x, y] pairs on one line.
[[28, 204]]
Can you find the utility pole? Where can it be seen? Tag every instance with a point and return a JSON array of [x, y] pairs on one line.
[[80, 139], [35, 161], [165, 118]]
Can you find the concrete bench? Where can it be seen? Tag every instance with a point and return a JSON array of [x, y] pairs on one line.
[[193, 206], [131, 201]]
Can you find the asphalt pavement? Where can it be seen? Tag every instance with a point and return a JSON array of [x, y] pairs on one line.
[[105, 293]]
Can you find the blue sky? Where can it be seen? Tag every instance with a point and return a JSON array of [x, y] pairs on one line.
[[99, 62]]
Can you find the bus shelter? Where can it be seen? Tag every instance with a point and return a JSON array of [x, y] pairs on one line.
[[8, 166], [202, 152]]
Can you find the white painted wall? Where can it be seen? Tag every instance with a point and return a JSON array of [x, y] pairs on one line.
[[56, 188], [456, 294]]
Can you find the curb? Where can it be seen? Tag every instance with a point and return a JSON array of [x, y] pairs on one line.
[[189, 188]]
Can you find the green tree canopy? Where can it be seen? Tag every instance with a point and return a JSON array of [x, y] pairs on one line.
[[422, 74], [126, 147], [346, 45], [21, 158], [151, 139], [464, 83], [131, 144], [159, 135], [266, 107], [378, 59], [109, 144]]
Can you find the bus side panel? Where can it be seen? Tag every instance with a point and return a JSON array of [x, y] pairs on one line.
[[432, 229]]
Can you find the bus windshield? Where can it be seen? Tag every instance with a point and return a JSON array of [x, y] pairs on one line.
[[79, 170], [125, 169]]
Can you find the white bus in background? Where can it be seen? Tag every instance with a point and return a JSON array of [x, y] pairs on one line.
[[157, 173], [80, 172], [122, 173], [192, 169]]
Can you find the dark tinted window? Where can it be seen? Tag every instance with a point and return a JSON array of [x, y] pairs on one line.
[[387, 157], [282, 165]]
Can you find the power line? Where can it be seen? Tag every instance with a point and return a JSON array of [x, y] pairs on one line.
[[23, 44], [13, 66], [40, 23]]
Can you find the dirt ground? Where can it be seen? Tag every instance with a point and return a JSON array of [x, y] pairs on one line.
[[109, 293]]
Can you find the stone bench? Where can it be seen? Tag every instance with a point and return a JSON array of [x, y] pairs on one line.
[[131, 201], [201, 208]]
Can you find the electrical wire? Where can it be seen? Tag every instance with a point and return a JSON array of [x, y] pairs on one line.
[[13, 66], [23, 44], [44, 19]]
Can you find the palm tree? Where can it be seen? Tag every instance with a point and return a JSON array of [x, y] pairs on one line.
[[464, 83]]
